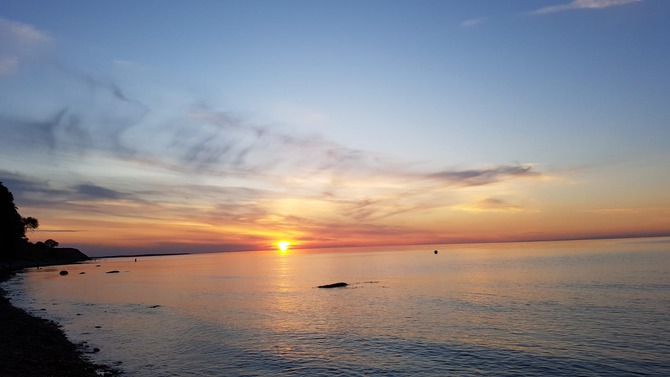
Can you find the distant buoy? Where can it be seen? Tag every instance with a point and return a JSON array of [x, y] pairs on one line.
[[435, 251]]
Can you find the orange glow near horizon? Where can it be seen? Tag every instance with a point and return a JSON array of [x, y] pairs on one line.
[[122, 228]]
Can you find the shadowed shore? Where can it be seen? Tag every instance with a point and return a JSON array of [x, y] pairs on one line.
[[31, 346]]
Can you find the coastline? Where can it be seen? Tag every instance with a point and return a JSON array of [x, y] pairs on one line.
[[33, 346]]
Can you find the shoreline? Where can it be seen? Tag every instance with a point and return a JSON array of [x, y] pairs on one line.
[[33, 346]]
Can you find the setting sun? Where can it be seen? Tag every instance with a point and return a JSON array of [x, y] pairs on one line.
[[283, 246]]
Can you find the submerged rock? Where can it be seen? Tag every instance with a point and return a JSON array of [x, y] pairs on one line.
[[63, 273], [334, 285]]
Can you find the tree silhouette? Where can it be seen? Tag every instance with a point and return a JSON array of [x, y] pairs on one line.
[[30, 223], [12, 226], [51, 243]]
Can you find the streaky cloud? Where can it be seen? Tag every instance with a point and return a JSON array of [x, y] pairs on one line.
[[107, 121], [94, 122], [627, 210], [95, 192], [218, 140], [59, 230], [494, 203], [472, 22], [478, 177], [30, 190], [582, 4]]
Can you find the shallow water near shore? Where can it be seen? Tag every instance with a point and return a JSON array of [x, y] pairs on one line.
[[544, 308]]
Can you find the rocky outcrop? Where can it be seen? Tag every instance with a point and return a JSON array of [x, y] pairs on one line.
[[334, 285], [67, 254]]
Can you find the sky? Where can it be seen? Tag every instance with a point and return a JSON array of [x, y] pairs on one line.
[[203, 126]]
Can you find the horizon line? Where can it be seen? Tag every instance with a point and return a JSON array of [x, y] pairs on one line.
[[567, 239]]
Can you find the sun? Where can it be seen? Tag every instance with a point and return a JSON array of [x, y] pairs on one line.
[[283, 246]]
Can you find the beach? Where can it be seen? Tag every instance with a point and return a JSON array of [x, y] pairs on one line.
[[31, 346]]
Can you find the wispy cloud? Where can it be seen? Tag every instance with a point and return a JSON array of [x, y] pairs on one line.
[[582, 4], [472, 22], [22, 33], [496, 204], [206, 142], [197, 174], [95, 192], [17, 41], [484, 176], [29, 190]]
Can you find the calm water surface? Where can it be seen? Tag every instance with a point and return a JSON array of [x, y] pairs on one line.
[[523, 309]]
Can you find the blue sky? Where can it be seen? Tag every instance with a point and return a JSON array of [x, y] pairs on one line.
[[335, 122]]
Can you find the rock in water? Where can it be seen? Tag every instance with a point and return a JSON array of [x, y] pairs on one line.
[[63, 273], [334, 285], [112, 272]]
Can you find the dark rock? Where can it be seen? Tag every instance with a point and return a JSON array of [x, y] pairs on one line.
[[82, 273], [96, 350], [63, 273], [334, 285], [113, 272], [435, 251]]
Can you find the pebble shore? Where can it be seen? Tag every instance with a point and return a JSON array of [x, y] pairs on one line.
[[32, 346]]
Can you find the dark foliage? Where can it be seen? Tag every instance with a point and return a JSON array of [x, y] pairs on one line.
[[51, 243], [12, 225], [14, 245]]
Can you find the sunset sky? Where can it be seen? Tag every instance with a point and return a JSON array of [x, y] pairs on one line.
[[197, 126]]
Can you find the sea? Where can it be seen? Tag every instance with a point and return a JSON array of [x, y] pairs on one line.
[[570, 308]]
